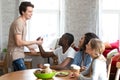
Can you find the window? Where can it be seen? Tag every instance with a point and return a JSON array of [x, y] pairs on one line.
[[109, 20], [46, 21]]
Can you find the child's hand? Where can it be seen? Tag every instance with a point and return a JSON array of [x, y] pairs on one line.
[[82, 68], [76, 75], [71, 75]]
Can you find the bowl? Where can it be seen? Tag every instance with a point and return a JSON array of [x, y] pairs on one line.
[[45, 75]]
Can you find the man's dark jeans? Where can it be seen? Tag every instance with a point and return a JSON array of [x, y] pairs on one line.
[[19, 64]]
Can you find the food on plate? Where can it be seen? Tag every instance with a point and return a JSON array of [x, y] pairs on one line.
[[62, 74]]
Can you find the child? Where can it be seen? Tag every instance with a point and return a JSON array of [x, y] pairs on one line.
[[97, 69]]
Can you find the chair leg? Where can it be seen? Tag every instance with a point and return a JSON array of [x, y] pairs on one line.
[[5, 70], [117, 74]]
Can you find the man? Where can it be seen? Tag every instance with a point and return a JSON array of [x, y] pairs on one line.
[[65, 53], [17, 35]]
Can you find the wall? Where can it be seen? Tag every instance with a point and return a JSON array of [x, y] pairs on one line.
[[9, 13], [81, 17]]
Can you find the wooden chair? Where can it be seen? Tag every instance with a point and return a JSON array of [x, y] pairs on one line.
[[28, 63], [3, 65], [118, 71]]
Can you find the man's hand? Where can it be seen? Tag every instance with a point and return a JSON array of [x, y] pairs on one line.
[[39, 40], [33, 51], [32, 48]]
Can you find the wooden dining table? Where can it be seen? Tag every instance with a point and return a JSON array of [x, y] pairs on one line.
[[28, 75]]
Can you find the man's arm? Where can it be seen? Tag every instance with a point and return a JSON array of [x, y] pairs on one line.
[[20, 42], [63, 65], [44, 53]]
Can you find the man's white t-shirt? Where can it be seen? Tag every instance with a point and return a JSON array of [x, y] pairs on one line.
[[62, 56]]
